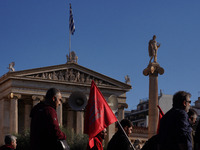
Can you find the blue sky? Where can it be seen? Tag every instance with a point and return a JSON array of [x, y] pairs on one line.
[[111, 38]]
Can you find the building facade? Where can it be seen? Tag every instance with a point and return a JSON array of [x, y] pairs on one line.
[[21, 90]]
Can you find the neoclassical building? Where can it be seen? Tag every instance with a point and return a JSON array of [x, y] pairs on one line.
[[21, 90]]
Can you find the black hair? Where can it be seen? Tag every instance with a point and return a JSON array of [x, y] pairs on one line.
[[125, 122], [179, 97], [9, 139], [192, 113], [51, 93]]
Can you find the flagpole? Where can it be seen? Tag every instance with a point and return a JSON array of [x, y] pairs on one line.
[[69, 44], [125, 134]]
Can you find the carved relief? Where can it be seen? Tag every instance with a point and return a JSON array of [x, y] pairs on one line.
[[69, 75]]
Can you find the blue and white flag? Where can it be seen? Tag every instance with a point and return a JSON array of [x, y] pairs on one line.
[[71, 22]]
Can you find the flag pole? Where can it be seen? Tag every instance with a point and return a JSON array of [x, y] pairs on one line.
[[125, 134], [69, 44]]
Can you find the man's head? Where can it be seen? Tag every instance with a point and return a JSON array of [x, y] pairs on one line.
[[11, 140], [192, 114], [127, 126], [53, 97], [103, 133], [181, 100]]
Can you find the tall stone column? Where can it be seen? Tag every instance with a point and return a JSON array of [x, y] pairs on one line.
[[1, 121], [121, 111], [37, 99], [110, 133], [59, 114], [79, 122], [70, 120], [14, 112], [152, 71], [27, 111]]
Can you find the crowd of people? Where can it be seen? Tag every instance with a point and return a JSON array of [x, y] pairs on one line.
[[178, 128]]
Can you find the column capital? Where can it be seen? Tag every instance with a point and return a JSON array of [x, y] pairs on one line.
[[153, 69], [122, 105], [38, 98], [14, 96]]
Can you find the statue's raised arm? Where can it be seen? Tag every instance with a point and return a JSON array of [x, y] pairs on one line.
[[153, 47]]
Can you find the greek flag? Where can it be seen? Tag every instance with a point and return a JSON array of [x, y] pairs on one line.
[[71, 22]]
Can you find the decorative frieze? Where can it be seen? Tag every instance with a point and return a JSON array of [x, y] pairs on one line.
[[69, 75]]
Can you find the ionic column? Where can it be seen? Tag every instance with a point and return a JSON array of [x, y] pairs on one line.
[[37, 99], [1, 121], [121, 111], [59, 114], [14, 112], [27, 119], [70, 120], [152, 70], [79, 122], [110, 133]]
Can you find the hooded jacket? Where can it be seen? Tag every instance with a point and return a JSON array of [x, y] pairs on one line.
[[45, 130]]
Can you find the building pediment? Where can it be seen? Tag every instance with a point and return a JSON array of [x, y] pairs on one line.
[[70, 73]]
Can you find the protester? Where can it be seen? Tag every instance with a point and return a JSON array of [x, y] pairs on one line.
[[197, 137], [98, 139], [119, 140], [10, 143], [175, 130], [45, 131], [192, 114]]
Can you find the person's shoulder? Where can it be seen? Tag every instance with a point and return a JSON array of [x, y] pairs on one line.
[[4, 147], [180, 111], [49, 110]]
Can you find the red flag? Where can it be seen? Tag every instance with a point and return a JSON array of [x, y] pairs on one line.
[[98, 114], [161, 114]]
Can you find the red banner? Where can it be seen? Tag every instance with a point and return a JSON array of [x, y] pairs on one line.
[[161, 114], [98, 114]]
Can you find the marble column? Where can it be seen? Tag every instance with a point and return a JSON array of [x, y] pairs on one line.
[[27, 119], [1, 121], [59, 114], [121, 111], [37, 99], [79, 122], [14, 112], [110, 133], [70, 120], [152, 71]]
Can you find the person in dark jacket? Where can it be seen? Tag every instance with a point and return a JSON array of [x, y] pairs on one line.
[[45, 131], [10, 143], [175, 129], [119, 141], [192, 114]]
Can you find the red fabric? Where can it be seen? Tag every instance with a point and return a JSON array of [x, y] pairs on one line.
[[7, 147], [97, 143], [161, 114], [45, 130], [98, 114]]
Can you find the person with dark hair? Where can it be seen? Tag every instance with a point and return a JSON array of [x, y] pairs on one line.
[[10, 143], [175, 129], [98, 139], [192, 114], [119, 141], [45, 131]]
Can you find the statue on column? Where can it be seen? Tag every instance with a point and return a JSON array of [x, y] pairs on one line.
[[153, 48]]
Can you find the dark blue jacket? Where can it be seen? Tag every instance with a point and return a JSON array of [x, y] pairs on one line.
[[175, 130]]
